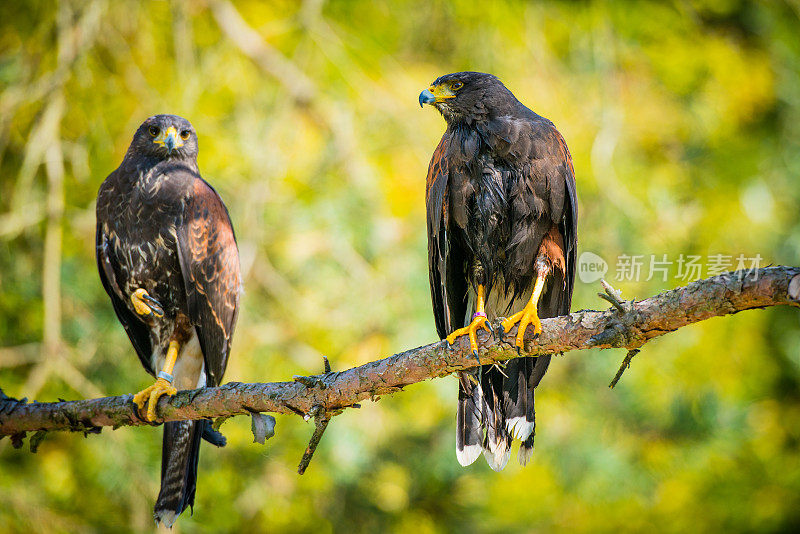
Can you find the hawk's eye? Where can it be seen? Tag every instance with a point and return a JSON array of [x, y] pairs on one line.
[[153, 130], [456, 86], [185, 134]]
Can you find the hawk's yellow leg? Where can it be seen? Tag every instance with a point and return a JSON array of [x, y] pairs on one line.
[[144, 304], [529, 314], [478, 321], [162, 386]]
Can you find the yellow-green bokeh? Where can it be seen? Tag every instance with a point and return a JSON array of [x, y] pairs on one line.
[[683, 119]]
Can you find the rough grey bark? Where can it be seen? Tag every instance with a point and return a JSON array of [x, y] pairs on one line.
[[626, 325]]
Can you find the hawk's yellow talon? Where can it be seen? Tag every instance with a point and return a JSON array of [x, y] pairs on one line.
[[151, 395], [479, 320], [138, 304], [528, 316], [476, 324], [144, 304], [161, 387]]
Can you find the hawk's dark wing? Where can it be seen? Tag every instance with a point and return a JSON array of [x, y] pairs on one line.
[[552, 179], [210, 266], [569, 224], [446, 261], [137, 331], [449, 286]]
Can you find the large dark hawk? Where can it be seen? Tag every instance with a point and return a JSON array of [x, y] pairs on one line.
[[168, 259], [502, 223]]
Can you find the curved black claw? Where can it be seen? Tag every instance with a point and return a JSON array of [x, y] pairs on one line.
[[475, 354], [155, 306], [490, 328], [501, 332]]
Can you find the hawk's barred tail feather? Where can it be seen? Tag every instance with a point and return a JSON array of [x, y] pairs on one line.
[[518, 406], [179, 458], [469, 441], [497, 444]]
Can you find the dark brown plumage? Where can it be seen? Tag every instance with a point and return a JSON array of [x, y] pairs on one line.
[[168, 259], [502, 229]]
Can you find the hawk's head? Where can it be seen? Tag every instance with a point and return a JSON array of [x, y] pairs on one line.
[[467, 96], [164, 137]]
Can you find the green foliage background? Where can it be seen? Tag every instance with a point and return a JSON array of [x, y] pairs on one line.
[[684, 123]]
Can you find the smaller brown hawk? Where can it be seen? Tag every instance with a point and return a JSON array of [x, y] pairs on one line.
[[168, 259]]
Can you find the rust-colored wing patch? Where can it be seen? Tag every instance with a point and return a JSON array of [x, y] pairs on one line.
[[210, 265]]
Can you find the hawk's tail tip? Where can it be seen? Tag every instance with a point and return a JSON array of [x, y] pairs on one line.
[[525, 454], [468, 454], [165, 517], [520, 427], [525, 451], [498, 458]]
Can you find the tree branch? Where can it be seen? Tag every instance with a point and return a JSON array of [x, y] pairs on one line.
[[333, 391]]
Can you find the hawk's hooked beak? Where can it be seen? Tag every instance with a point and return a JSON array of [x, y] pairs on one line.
[[435, 93], [426, 97], [169, 139]]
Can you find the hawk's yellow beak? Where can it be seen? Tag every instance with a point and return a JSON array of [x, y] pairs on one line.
[[169, 139], [435, 93]]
